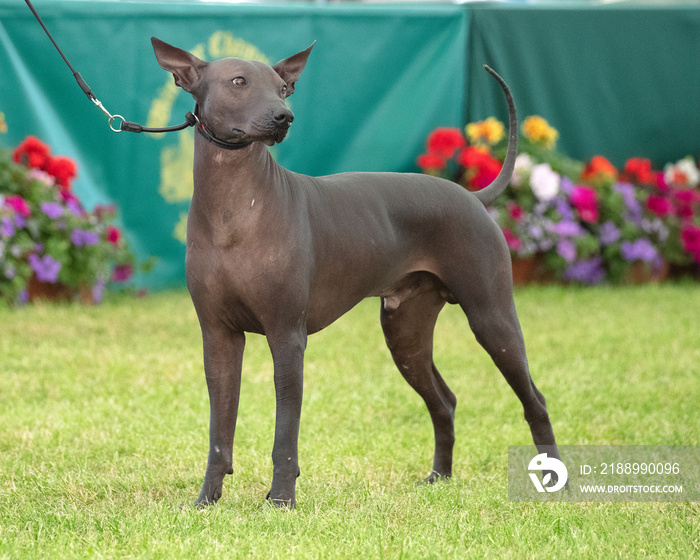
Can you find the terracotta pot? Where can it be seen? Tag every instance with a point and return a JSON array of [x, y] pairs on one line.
[[57, 292], [530, 270], [642, 272], [524, 270]]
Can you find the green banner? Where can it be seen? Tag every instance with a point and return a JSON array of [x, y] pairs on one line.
[[619, 80]]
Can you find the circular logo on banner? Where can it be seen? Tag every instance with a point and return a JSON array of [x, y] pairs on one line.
[[177, 153]]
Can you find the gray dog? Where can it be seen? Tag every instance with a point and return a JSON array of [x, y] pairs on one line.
[[284, 255]]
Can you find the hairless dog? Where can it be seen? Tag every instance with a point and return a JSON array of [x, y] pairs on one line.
[[274, 252]]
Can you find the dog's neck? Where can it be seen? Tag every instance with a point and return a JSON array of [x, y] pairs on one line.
[[231, 187]]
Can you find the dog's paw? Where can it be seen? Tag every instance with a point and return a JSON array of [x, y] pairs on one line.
[[435, 477], [280, 503]]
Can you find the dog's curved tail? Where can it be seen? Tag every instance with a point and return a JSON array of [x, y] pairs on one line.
[[491, 192]]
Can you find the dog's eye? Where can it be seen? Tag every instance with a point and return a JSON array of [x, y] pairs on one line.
[[239, 81], [283, 91]]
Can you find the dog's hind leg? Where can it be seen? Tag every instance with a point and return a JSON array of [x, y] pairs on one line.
[[408, 328], [490, 308]]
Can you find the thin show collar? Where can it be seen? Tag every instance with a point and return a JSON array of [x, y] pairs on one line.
[[213, 139]]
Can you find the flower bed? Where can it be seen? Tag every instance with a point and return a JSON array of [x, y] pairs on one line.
[[582, 222], [49, 243]]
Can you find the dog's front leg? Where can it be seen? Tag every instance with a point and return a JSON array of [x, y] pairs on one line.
[[223, 357], [288, 358]]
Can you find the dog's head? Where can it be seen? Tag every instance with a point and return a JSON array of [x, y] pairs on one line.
[[238, 100]]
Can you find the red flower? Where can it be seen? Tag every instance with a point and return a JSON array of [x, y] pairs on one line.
[[586, 203], [639, 170], [599, 168], [472, 157], [659, 205], [32, 153], [113, 235], [445, 141], [487, 172], [19, 205], [63, 169], [513, 240], [485, 167], [431, 160]]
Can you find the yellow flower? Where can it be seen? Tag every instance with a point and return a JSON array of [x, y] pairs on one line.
[[3, 124], [537, 130], [490, 131]]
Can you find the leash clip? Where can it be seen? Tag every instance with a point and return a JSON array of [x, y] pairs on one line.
[[110, 116]]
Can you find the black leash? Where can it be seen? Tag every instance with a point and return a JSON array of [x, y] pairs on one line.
[[124, 125]]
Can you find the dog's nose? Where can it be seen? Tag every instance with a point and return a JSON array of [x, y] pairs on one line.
[[284, 118]]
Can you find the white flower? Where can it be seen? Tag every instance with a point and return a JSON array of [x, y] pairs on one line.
[[544, 182], [523, 164], [684, 172]]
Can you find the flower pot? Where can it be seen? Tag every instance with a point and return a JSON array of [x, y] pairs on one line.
[[530, 270], [524, 270], [57, 292], [643, 272]]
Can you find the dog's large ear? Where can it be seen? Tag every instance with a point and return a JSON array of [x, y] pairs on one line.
[[186, 68], [290, 68]]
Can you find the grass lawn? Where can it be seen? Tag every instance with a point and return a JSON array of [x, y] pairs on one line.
[[104, 434]]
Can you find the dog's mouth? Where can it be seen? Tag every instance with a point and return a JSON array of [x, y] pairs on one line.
[[270, 137]]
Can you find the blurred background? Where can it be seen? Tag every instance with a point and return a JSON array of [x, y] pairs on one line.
[[614, 78]]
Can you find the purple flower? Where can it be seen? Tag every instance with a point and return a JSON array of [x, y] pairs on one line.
[[567, 228], [97, 291], [639, 250], [609, 233], [7, 227], [46, 267], [588, 271], [567, 186], [567, 250], [20, 222], [52, 209], [634, 208], [564, 209], [81, 237], [75, 207]]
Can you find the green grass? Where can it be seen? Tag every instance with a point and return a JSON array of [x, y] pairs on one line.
[[104, 426]]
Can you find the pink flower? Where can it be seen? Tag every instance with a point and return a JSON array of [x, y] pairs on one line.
[[515, 212], [122, 272], [513, 240], [659, 205], [690, 237], [19, 205], [113, 235], [585, 201]]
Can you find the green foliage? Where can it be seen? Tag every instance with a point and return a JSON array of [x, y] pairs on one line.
[[104, 420]]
